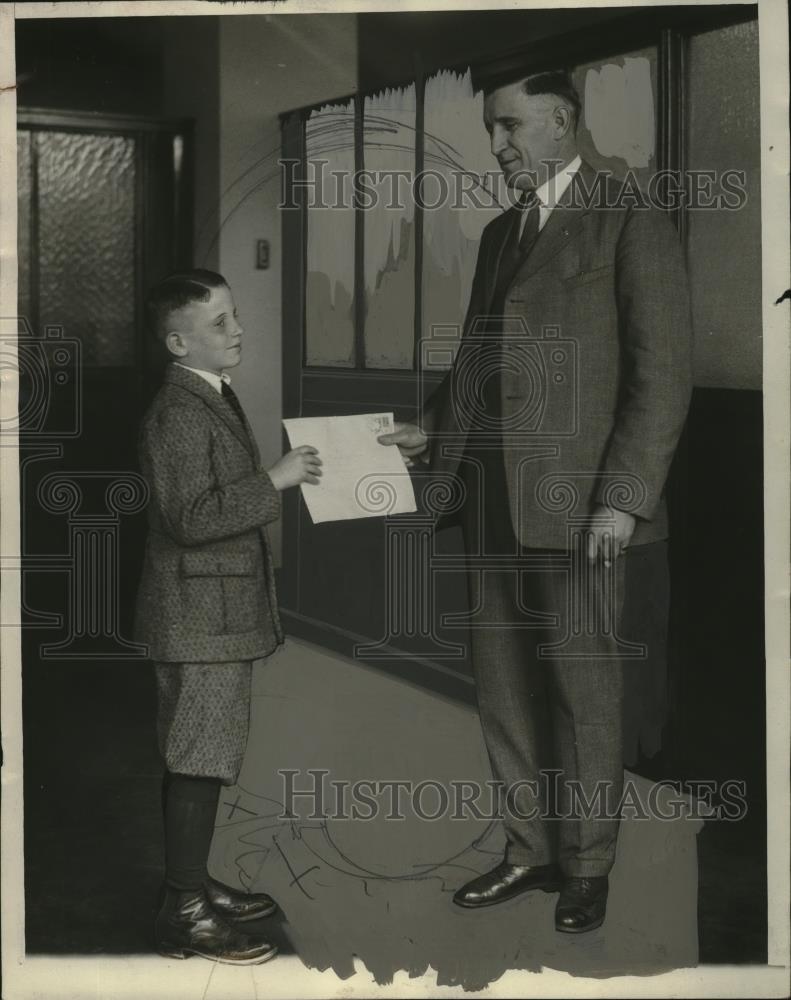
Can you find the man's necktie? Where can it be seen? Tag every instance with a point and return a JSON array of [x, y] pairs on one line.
[[530, 206], [230, 396], [516, 249]]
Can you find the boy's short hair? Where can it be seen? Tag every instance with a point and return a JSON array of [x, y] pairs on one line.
[[175, 292]]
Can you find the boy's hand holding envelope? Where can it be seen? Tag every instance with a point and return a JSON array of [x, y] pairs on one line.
[[302, 465]]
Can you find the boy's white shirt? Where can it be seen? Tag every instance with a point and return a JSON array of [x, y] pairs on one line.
[[211, 377]]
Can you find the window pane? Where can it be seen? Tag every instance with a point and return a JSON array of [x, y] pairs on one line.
[[457, 152], [724, 247], [87, 242], [23, 224], [617, 130], [389, 145], [329, 292]]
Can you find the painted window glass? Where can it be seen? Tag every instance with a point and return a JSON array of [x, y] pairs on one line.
[[329, 290], [462, 190], [617, 129], [389, 229], [463, 177]]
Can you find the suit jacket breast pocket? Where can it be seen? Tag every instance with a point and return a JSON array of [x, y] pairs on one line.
[[584, 277]]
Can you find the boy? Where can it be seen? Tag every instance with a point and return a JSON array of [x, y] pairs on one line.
[[207, 606]]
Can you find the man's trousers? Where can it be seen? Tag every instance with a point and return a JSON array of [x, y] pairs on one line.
[[545, 645], [546, 709]]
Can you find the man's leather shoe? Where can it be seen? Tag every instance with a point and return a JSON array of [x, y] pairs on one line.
[[506, 881], [582, 904], [187, 925], [238, 905]]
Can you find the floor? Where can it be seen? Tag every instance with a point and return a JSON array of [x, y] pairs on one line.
[[374, 891]]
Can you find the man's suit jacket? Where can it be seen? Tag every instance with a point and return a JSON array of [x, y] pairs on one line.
[[595, 388], [207, 592]]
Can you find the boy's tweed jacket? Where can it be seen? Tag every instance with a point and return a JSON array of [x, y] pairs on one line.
[[207, 592]]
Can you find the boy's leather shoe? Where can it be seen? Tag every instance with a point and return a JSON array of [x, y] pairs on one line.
[[187, 925], [582, 904], [506, 881], [238, 905]]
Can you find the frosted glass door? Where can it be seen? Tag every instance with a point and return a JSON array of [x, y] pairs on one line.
[[86, 242]]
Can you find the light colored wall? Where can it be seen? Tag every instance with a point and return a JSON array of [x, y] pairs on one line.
[[268, 64]]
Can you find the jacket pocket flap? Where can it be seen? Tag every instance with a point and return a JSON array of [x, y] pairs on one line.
[[216, 564]]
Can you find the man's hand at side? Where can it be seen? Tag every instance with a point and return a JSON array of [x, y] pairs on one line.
[[609, 533], [411, 441]]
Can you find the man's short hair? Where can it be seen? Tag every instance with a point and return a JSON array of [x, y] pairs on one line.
[[557, 82], [175, 292]]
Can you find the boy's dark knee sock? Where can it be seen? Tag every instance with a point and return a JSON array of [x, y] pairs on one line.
[[190, 812]]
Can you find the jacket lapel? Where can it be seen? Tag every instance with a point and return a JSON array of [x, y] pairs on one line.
[[199, 387], [495, 252], [563, 225]]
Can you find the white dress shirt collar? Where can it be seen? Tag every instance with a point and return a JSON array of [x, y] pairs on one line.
[[551, 191], [212, 378]]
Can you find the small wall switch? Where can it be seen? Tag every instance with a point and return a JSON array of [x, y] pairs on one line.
[[262, 254]]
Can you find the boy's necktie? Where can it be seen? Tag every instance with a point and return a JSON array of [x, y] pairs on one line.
[[230, 396]]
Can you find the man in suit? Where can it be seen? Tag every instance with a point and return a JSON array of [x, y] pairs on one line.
[[207, 606], [561, 415]]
